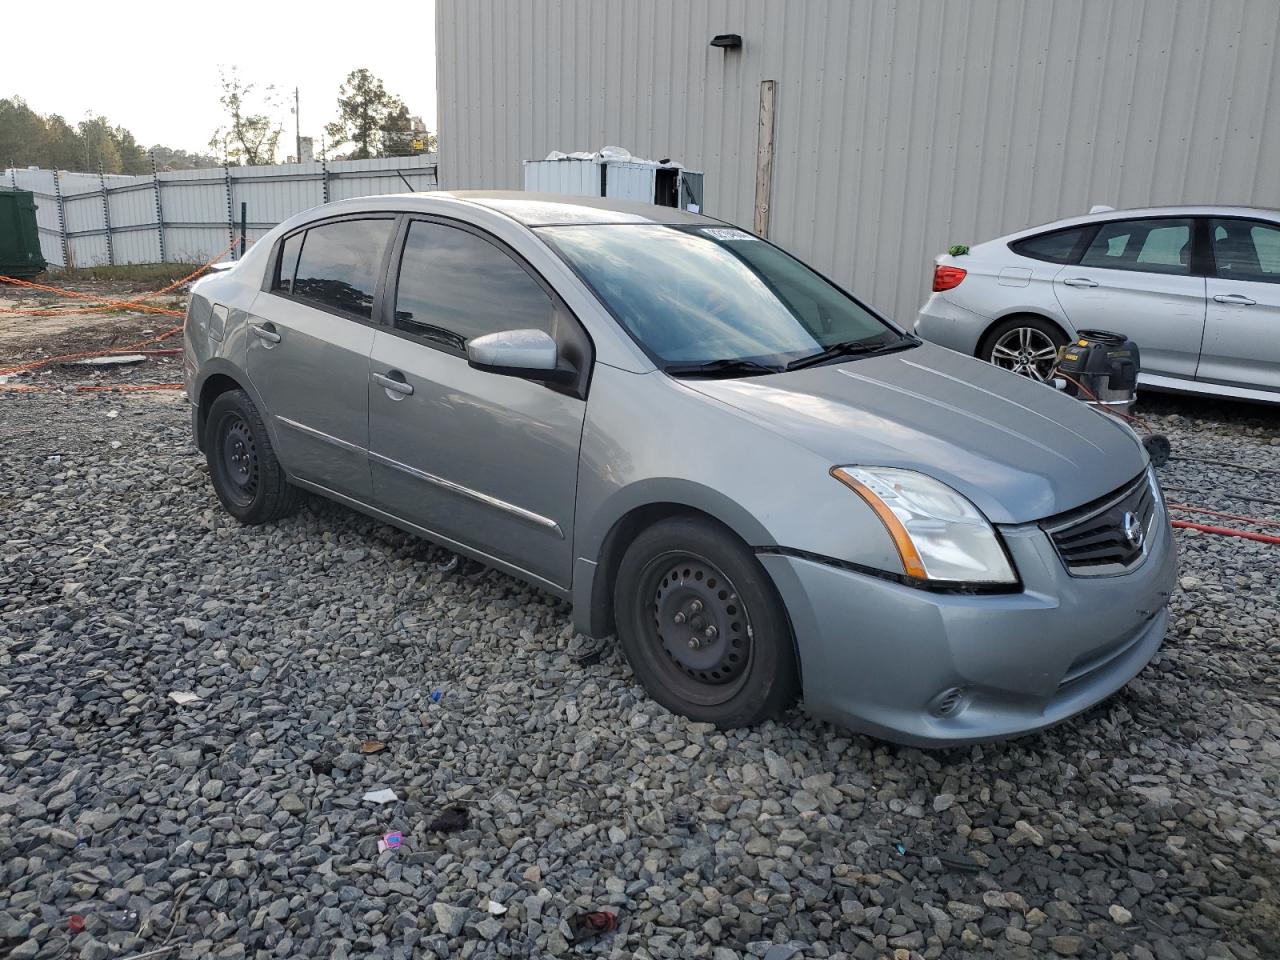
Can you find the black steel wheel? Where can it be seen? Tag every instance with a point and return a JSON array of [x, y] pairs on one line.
[[246, 475], [702, 625]]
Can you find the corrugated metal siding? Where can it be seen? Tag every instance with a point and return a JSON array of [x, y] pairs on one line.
[[201, 207], [901, 127]]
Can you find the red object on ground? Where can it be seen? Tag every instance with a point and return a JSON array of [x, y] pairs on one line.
[[75, 923], [1226, 531]]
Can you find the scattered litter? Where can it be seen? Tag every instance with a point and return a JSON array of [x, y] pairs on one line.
[[390, 841], [112, 360], [183, 697], [115, 444], [591, 657], [75, 923], [960, 861], [381, 796], [588, 926], [451, 821], [372, 746], [435, 696], [112, 414], [496, 909], [902, 850], [448, 566]]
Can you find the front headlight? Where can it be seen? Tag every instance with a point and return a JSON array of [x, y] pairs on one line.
[[939, 534]]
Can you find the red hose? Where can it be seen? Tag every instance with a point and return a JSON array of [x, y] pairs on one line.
[[1226, 531], [1257, 521]]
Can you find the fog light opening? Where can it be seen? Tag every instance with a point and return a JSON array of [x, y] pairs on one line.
[[948, 703]]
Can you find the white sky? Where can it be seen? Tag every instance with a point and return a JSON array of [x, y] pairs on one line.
[[153, 67]]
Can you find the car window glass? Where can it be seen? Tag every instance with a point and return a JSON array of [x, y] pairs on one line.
[[1152, 246], [340, 263], [289, 251], [455, 285], [1246, 250], [713, 293], [1056, 247]]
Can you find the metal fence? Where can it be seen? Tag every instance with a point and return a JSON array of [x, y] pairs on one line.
[[187, 216]]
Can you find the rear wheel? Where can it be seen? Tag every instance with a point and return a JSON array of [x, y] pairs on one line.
[[702, 625], [246, 475], [1025, 345]]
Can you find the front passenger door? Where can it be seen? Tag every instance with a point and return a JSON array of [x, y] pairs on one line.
[[1242, 332], [486, 460]]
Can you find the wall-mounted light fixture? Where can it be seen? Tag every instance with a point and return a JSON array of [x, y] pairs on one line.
[[727, 41]]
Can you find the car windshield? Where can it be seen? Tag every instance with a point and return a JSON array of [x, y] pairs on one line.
[[716, 295]]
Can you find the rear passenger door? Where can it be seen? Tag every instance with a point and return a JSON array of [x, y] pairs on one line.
[[485, 460], [1242, 332], [1136, 278], [308, 354]]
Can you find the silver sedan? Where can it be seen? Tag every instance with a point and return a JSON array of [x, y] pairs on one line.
[[1197, 288], [766, 490]]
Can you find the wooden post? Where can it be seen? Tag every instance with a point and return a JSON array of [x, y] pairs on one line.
[[764, 160]]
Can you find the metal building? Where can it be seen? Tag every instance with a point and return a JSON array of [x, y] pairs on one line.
[[869, 135]]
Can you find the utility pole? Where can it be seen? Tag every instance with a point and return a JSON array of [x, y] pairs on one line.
[[297, 126]]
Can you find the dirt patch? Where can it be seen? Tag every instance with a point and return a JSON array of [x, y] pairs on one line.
[[30, 333]]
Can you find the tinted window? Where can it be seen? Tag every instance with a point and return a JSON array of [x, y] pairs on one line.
[[1056, 247], [1246, 250], [455, 285], [340, 263], [288, 263], [1152, 246], [702, 294]]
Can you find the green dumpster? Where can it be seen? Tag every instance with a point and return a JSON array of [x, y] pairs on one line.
[[19, 240]]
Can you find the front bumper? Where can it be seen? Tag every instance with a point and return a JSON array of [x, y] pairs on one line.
[[950, 325], [876, 655]]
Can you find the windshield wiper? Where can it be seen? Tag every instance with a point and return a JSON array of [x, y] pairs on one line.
[[852, 348], [727, 367]]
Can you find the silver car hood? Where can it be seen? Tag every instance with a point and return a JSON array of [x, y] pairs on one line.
[[1019, 450]]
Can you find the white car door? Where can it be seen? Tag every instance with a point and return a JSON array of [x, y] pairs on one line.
[[1242, 329], [1135, 278]]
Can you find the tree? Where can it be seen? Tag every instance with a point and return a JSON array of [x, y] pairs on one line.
[[168, 158], [376, 123], [247, 137]]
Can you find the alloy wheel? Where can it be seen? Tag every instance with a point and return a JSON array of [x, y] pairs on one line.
[[1025, 351]]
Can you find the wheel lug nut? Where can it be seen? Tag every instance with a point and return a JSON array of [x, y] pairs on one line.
[[694, 643], [711, 632], [696, 606], [679, 618]]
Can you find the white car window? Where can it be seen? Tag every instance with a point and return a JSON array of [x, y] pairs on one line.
[[1151, 246], [1246, 250]]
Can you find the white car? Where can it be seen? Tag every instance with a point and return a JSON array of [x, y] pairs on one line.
[[1197, 288]]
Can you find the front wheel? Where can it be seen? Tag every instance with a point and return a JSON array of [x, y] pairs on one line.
[[1027, 346], [702, 625]]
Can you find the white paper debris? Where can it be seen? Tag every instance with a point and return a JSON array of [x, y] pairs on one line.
[[381, 796]]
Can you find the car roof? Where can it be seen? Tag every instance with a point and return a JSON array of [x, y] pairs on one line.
[[1135, 213], [553, 209]]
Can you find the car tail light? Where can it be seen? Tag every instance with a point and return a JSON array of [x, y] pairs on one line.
[[944, 277]]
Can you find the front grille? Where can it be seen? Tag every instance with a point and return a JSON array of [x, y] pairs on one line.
[[1109, 535]]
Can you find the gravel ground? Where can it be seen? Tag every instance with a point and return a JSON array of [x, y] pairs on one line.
[[235, 826]]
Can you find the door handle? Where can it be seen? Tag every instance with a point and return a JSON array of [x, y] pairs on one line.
[[1237, 298], [1080, 282], [265, 331], [392, 385]]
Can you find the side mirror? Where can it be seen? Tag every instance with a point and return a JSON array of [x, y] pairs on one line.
[[531, 354]]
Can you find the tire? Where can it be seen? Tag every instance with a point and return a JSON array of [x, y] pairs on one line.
[[1026, 345], [246, 475], [746, 672]]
